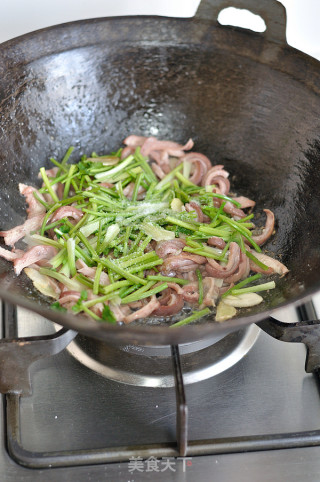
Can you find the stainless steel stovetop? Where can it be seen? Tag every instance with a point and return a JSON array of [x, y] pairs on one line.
[[128, 432]]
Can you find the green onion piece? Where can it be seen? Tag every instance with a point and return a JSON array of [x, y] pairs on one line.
[[59, 258], [191, 318], [89, 228], [200, 284], [187, 169]]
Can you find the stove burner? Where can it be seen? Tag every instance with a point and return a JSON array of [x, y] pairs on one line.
[[151, 366]]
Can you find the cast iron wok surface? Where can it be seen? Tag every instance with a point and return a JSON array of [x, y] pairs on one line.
[[249, 103]]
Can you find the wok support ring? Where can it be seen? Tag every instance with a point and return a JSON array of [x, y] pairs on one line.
[[306, 331], [182, 407], [17, 356]]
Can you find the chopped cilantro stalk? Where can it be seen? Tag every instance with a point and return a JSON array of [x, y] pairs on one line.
[[195, 316], [123, 273], [200, 286], [225, 198], [184, 180], [96, 283], [136, 186], [256, 261], [169, 177], [65, 159], [144, 294], [71, 256], [48, 185], [72, 169], [169, 279], [178, 222], [242, 283], [105, 175], [254, 289], [69, 283], [242, 230]]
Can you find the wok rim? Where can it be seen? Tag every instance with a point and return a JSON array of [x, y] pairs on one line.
[[160, 335]]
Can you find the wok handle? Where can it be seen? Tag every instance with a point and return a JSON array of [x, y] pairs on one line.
[[307, 332], [272, 12]]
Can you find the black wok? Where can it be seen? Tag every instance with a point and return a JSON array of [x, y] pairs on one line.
[[248, 100]]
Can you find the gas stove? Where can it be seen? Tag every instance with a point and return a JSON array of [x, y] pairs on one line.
[[242, 409], [250, 411]]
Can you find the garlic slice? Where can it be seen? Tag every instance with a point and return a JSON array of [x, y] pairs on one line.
[[225, 312], [177, 205], [243, 301], [42, 282]]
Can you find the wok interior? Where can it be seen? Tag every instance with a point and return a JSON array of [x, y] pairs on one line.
[[253, 117]]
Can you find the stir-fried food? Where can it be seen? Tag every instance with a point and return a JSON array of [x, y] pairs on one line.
[[144, 231]]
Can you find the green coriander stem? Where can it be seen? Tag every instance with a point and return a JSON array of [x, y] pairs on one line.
[[168, 279], [191, 318], [48, 185]]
